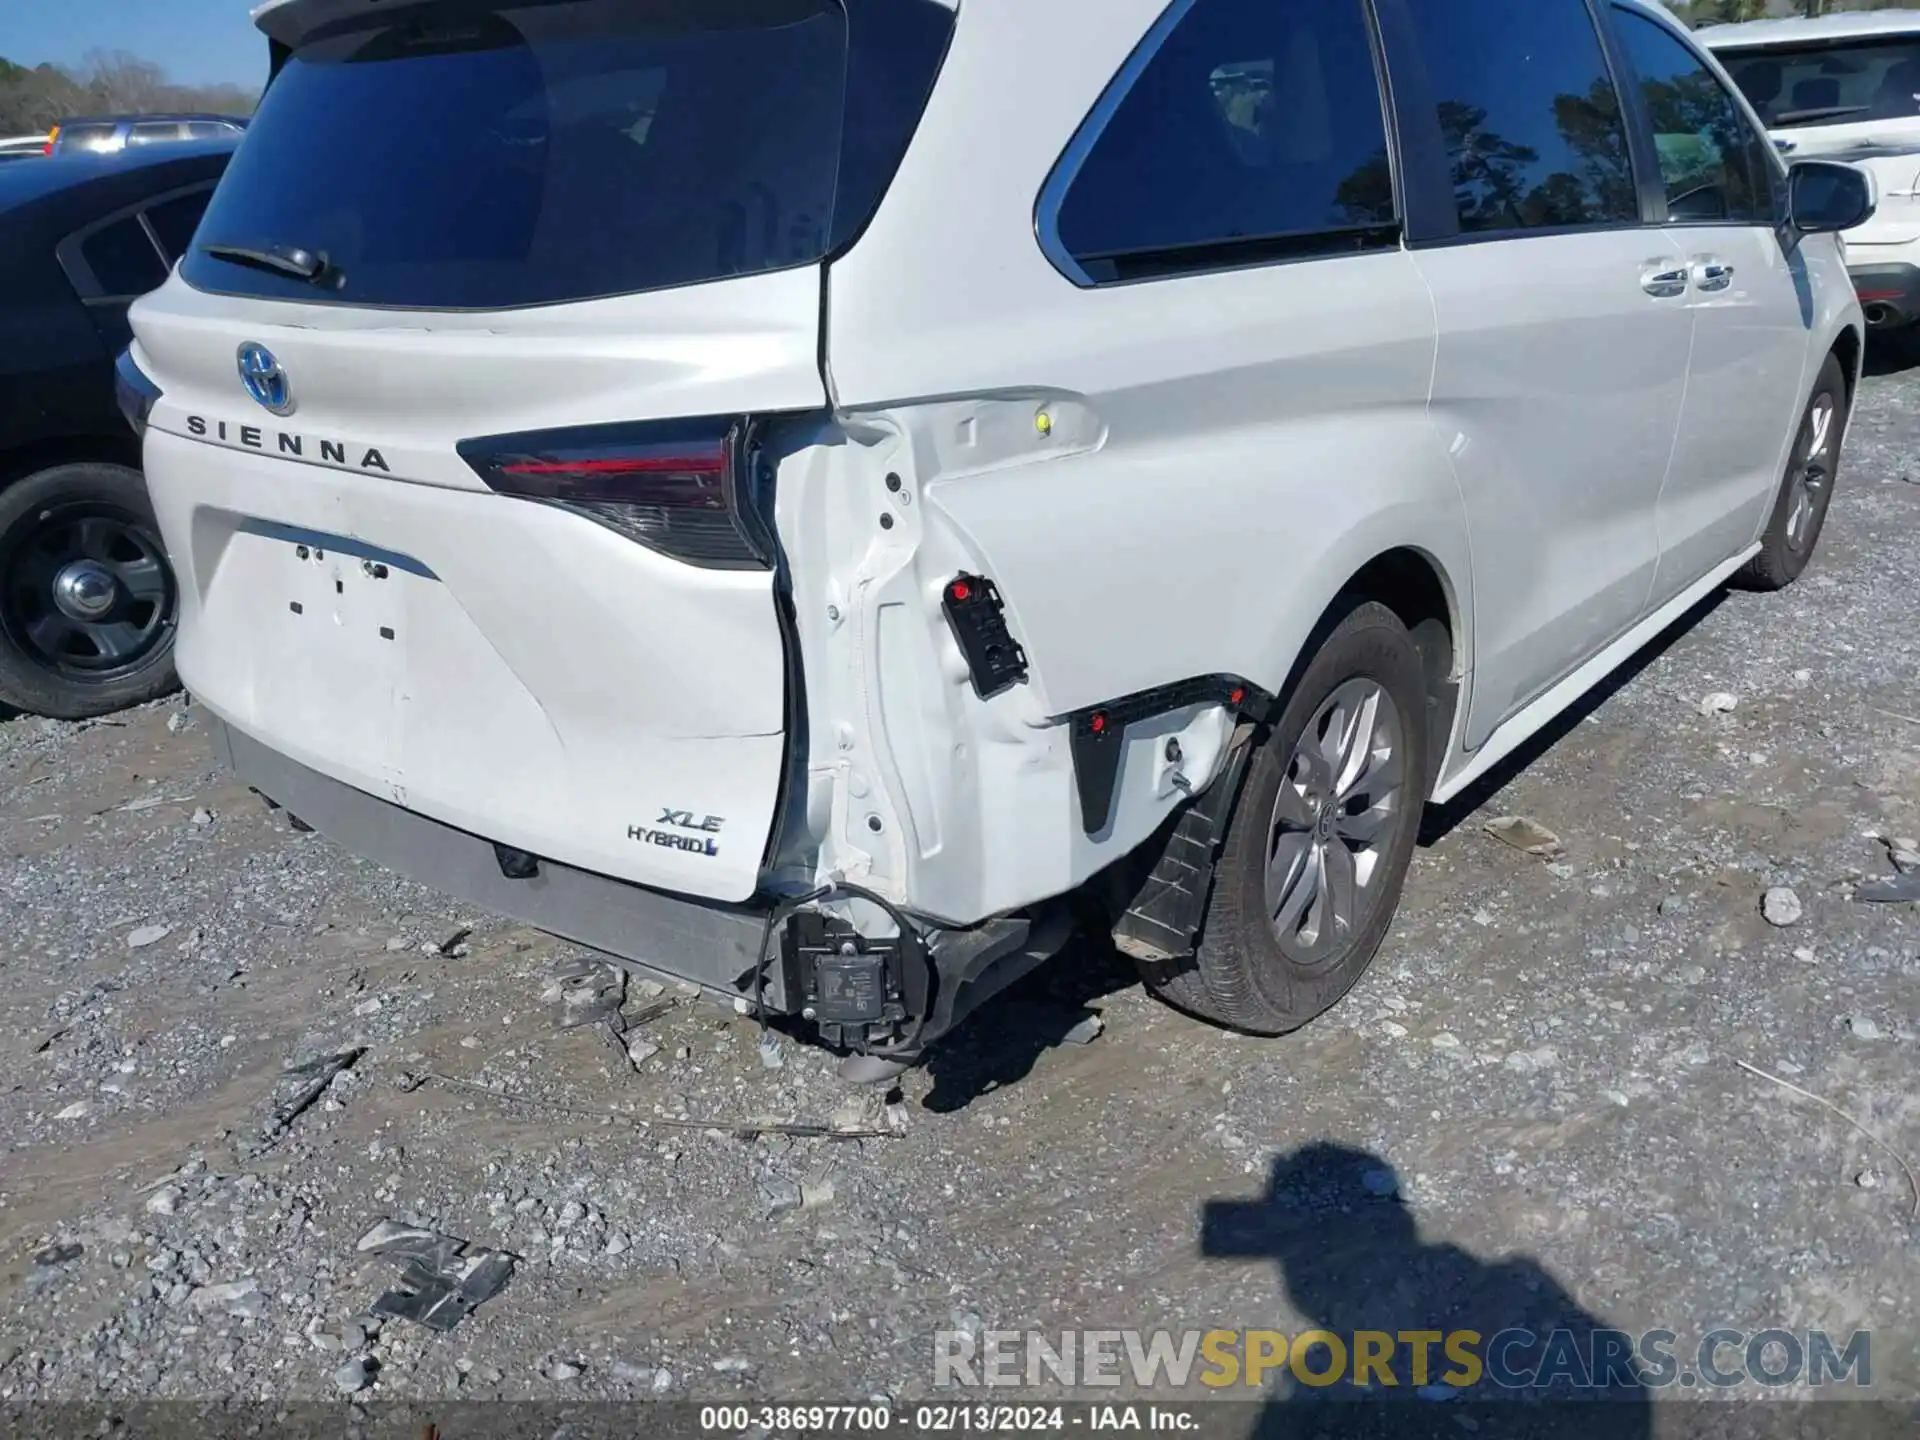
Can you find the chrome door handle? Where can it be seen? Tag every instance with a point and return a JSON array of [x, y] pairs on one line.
[[1712, 275], [1663, 284]]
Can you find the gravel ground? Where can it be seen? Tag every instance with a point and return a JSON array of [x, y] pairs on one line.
[[1529, 1107]]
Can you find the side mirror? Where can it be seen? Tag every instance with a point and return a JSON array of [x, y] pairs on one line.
[[1824, 196]]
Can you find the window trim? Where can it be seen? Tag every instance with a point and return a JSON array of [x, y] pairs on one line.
[[1644, 154], [1436, 223], [1420, 153], [1776, 164], [80, 274], [153, 238], [204, 187], [1535, 232], [1333, 243]]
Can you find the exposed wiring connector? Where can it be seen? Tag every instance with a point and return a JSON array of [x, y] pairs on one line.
[[834, 887]]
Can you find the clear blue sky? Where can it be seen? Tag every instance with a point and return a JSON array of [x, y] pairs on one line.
[[197, 42]]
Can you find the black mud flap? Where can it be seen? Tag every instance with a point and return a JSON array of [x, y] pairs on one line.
[[1162, 921]]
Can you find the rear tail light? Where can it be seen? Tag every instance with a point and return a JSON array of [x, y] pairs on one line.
[[134, 392], [692, 489], [53, 139]]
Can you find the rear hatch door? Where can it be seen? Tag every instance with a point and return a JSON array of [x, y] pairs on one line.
[[576, 242]]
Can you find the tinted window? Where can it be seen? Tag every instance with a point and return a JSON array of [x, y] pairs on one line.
[[1531, 120], [153, 132], [123, 259], [1830, 84], [1256, 126], [174, 221], [530, 153], [210, 130], [1712, 160]]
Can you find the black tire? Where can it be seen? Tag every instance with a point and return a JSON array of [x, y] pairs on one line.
[[1241, 976], [61, 670], [1786, 547]]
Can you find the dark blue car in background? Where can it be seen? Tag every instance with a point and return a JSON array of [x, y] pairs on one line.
[[87, 600]]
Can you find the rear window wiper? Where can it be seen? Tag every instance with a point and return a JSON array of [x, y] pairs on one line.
[[280, 259]]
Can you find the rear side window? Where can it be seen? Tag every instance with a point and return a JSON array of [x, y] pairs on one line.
[[175, 220], [1713, 162], [484, 157], [155, 132], [210, 130], [1529, 114], [1254, 132], [123, 259]]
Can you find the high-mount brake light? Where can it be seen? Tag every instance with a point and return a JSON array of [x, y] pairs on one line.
[[686, 488]]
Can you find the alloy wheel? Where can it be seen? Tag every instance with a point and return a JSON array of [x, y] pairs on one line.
[[1334, 818], [1812, 479]]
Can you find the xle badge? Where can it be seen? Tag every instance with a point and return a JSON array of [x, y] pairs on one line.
[[664, 832]]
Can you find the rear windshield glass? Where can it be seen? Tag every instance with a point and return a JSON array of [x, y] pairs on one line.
[[1830, 84], [483, 156]]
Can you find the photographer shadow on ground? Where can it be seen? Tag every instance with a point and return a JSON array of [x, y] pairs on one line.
[[1351, 1259]]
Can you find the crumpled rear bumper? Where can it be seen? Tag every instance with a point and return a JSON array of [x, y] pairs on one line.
[[711, 945]]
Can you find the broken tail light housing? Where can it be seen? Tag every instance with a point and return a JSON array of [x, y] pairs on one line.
[[690, 489]]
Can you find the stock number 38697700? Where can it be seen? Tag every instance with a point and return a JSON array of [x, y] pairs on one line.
[[782, 1420]]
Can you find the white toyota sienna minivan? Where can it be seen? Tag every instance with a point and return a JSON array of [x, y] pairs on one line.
[[820, 497]]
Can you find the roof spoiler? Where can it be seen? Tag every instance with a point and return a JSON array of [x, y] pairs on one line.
[[288, 22]]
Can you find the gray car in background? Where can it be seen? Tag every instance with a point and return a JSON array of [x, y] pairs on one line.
[[104, 134]]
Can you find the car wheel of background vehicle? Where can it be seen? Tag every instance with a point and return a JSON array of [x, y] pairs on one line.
[[87, 599], [1806, 492], [1320, 841]]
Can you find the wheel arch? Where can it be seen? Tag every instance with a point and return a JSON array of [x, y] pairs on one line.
[[1431, 595], [1412, 584], [1849, 348], [17, 462]]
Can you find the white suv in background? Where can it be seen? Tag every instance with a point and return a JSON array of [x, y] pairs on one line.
[[1847, 87], [1004, 462]]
